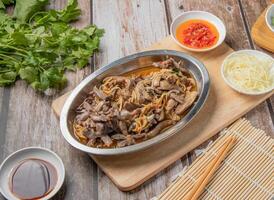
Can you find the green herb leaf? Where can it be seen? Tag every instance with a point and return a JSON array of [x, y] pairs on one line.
[[5, 2], [7, 78], [71, 12], [24, 9], [55, 76], [19, 38], [8, 2], [30, 74], [2, 6]]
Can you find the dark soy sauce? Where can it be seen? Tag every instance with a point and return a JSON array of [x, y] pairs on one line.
[[33, 179]]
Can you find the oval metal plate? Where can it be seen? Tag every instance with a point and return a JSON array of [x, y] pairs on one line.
[[124, 65]]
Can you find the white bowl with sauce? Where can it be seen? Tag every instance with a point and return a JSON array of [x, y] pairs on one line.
[[258, 55], [199, 15], [11, 163]]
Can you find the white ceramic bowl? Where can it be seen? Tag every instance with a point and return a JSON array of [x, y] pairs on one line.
[[30, 152], [202, 15], [269, 13], [256, 53]]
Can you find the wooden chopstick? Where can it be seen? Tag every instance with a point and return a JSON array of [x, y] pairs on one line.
[[201, 183]]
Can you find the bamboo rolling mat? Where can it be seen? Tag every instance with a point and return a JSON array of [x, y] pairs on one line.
[[247, 172]]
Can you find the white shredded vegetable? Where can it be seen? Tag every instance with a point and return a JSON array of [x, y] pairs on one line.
[[250, 73]]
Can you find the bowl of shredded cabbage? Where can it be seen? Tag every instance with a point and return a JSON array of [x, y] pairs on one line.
[[249, 72]]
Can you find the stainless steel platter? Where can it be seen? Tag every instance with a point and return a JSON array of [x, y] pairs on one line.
[[123, 65]]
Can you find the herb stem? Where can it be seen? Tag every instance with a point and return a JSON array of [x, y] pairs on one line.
[[37, 13], [14, 53], [15, 48], [12, 58], [4, 71]]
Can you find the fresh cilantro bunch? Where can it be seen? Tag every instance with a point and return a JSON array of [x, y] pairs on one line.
[[38, 46]]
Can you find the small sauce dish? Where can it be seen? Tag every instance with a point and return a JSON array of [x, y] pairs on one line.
[[202, 16], [248, 71], [35, 166], [269, 17]]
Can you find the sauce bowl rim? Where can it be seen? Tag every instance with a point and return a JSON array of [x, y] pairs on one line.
[[224, 76], [218, 43]]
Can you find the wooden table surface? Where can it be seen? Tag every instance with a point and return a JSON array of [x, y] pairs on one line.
[[26, 118]]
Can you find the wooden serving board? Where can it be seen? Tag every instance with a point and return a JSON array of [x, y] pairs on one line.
[[262, 35], [222, 107]]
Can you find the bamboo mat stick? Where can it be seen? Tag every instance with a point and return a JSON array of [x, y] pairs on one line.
[[205, 178]]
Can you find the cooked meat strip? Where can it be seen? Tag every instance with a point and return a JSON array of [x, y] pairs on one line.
[[179, 99], [107, 140], [171, 104], [164, 64], [118, 137], [99, 93], [87, 106], [179, 66], [100, 128], [89, 134], [88, 123], [99, 106], [124, 115], [98, 118], [156, 81], [123, 127], [190, 98], [83, 116], [91, 142], [125, 141], [131, 106], [161, 115], [159, 128], [165, 85]]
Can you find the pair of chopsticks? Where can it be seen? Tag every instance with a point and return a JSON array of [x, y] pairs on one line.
[[203, 180]]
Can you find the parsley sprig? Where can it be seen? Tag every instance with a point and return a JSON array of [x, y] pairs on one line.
[[39, 46]]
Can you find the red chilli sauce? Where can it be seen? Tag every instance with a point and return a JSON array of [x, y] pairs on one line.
[[197, 34]]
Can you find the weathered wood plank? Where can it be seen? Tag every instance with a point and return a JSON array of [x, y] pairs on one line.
[[1, 105], [237, 38], [31, 122], [4, 100], [130, 27], [1, 98]]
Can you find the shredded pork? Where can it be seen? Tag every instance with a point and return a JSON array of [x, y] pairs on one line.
[[125, 110]]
